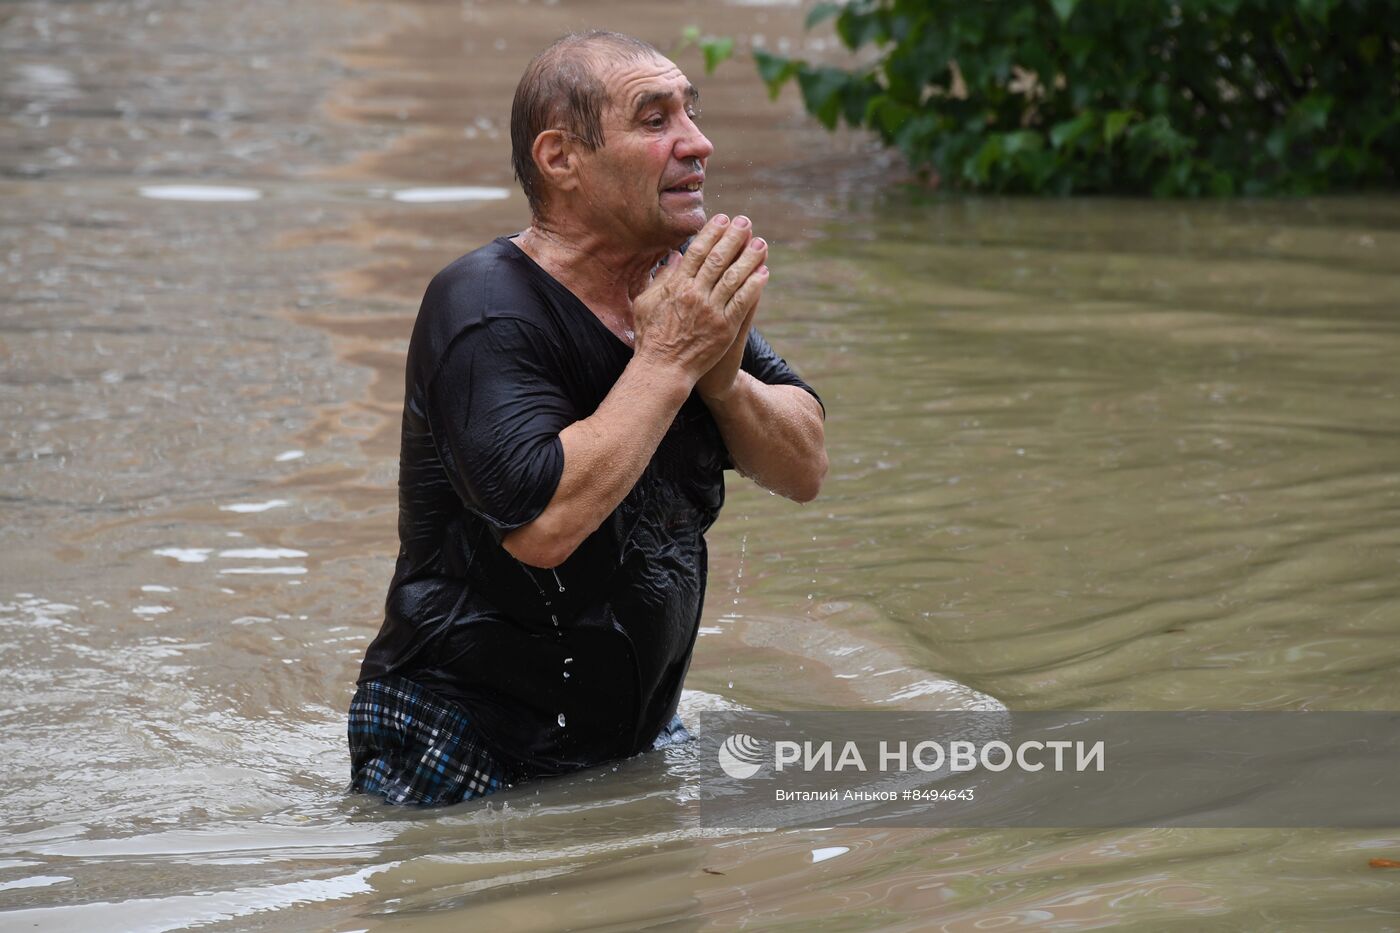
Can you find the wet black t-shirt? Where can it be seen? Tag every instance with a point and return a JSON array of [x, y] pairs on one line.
[[559, 669]]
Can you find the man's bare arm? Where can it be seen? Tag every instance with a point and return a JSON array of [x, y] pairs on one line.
[[604, 454], [774, 434]]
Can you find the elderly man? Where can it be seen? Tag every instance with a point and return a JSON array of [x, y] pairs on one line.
[[573, 395]]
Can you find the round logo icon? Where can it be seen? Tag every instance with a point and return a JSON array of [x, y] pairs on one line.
[[740, 756]]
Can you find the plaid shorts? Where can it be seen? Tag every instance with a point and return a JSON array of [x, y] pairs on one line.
[[410, 746]]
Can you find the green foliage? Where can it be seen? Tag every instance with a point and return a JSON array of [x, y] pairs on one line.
[[1168, 97], [715, 49]]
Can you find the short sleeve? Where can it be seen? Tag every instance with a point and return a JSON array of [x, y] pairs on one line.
[[768, 367], [495, 408]]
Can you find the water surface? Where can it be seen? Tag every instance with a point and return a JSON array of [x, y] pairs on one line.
[[1085, 454]]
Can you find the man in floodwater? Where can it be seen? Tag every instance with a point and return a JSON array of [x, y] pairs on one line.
[[570, 408]]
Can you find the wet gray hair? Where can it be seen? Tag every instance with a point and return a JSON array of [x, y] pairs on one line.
[[561, 90]]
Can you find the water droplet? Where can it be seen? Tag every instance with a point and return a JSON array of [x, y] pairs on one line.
[[566, 675], [731, 685], [561, 719]]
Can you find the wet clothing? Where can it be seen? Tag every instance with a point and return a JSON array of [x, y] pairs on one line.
[[411, 747], [563, 669]]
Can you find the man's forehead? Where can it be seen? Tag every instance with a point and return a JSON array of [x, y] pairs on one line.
[[633, 83]]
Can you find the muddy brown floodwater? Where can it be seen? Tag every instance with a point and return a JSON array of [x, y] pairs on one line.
[[1085, 454]]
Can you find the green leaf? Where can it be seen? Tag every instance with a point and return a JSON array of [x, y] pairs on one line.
[[1158, 97], [979, 168], [717, 50], [905, 80], [1021, 141], [1064, 9], [888, 115], [1316, 9], [820, 12], [1310, 114], [1066, 133], [1221, 185], [1369, 48], [1157, 137], [775, 70], [857, 28], [855, 99], [821, 93], [1114, 123]]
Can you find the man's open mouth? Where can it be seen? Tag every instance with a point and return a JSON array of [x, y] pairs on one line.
[[687, 186]]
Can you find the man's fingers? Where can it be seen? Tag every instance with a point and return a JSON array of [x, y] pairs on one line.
[[667, 268], [746, 298], [750, 258], [729, 247], [753, 310], [702, 243]]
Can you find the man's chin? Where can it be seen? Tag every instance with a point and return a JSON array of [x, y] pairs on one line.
[[673, 228], [685, 226]]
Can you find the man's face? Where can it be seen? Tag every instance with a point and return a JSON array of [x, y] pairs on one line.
[[644, 184]]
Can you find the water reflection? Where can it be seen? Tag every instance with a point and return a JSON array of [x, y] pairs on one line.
[[185, 555], [441, 195], [246, 507], [211, 193], [828, 852], [292, 570], [262, 553]]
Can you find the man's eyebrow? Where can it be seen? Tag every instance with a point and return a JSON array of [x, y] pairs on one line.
[[692, 97]]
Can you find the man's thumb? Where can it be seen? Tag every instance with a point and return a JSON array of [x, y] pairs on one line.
[[665, 268]]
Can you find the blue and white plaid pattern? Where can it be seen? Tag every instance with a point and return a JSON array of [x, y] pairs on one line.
[[411, 747], [673, 733]]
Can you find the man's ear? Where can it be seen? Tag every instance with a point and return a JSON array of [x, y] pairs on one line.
[[556, 157]]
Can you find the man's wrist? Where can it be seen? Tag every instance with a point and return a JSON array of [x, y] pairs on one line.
[[669, 378], [738, 389]]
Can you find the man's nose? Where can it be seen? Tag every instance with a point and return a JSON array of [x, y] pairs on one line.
[[695, 144]]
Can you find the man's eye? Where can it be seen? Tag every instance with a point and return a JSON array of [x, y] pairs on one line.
[[656, 122]]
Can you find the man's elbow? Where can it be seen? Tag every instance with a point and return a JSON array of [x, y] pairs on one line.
[[537, 546], [809, 484]]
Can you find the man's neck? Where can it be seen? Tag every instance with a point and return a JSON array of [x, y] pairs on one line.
[[604, 277]]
